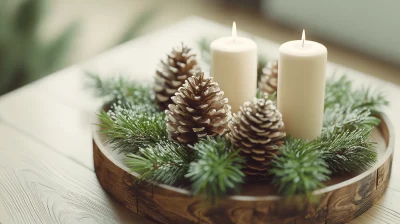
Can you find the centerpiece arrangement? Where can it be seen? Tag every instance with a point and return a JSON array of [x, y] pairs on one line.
[[213, 135]]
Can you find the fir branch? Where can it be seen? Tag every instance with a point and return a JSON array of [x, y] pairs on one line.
[[130, 127], [371, 99], [165, 162], [121, 89], [299, 169], [338, 118], [217, 170], [339, 91], [347, 150], [345, 142]]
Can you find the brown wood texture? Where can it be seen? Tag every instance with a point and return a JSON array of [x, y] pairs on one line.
[[38, 185], [340, 202]]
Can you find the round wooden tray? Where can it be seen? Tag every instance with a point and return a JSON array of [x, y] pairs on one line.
[[344, 198]]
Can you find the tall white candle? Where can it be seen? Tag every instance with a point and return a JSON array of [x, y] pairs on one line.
[[234, 68], [301, 87]]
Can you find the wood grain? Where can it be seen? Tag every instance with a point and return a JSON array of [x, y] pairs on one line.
[[340, 202], [37, 185]]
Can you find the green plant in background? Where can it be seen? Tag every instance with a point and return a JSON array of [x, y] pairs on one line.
[[23, 56]]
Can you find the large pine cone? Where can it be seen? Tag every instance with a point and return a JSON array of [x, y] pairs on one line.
[[269, 78], [199, 109], [257, 130], [172, 73]]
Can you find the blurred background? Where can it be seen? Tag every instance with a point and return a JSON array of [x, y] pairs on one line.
[[38, 37]]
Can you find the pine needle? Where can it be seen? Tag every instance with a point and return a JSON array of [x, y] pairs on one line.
[[348, 150], [129, 128], [339, 91], [165, 162], [217, 170], [299, 169], [120, 89], [338, 118]]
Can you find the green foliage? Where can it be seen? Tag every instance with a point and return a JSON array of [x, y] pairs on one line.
[[121, 89], [164, 162], [299, 169], [345, 142], [338, 118], [28, 16], [349, 150], [344, 146], [23, 56], [204, 46], [339, 91], [217, 169], [131, 127]]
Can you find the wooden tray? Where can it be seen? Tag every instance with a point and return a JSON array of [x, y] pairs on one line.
[[344, 198]]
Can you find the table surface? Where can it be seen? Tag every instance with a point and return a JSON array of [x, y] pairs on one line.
[[46, 164]]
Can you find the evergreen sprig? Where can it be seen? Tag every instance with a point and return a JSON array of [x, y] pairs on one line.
[[217, 169], [340, 91], [344, 146], [131, 127], [165, 162], [120, 89], [348, 150], [339, 118], [299, 169]]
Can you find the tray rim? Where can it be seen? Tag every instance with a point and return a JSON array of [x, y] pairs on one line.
[[385, 124]]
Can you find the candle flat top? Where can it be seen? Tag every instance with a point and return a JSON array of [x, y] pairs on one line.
[[308, 48], [233, 44]]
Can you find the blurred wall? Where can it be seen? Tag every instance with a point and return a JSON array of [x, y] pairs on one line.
[[369, 26]]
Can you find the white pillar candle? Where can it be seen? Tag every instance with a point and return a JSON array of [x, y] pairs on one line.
[[301, 87], [234, 68]]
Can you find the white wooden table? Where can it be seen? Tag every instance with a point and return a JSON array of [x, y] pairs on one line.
[[46, 164]]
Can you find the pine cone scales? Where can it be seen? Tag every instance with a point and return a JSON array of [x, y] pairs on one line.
[[199, 109], [269, 78], [257, 129], [172, 73]]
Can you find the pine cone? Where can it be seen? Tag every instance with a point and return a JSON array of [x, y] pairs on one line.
[[199, 109], [269, 78], [172, 73], [257, 129]]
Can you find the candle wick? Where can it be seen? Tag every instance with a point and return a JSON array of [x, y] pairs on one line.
[[303, 37]]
